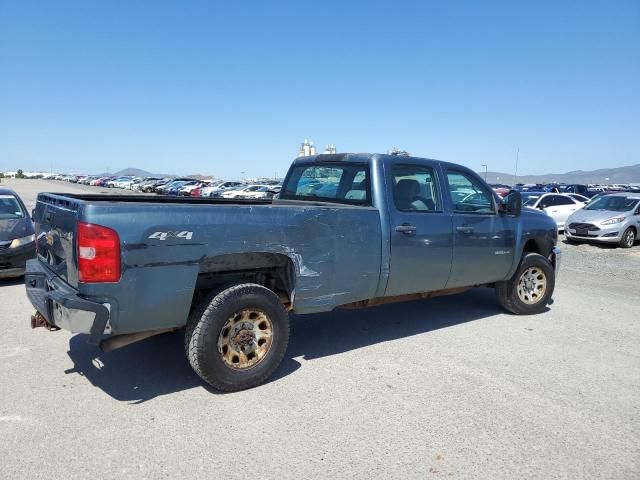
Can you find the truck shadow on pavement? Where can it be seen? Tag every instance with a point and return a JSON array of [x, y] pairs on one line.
[[158, 366]]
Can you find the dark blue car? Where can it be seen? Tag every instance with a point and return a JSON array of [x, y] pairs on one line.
[[17, 243]]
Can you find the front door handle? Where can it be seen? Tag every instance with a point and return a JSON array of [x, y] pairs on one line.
[[465, 229], [406, 228]]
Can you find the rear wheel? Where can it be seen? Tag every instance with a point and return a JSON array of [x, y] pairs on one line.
[[628, 238], [237, 337], [531, 287]]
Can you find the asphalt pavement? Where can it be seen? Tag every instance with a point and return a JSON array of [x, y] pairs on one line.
[[451, 387]]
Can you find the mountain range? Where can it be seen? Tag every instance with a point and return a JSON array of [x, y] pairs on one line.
[[630, 174]]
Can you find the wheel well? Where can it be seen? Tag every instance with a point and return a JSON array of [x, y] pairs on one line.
[[272, 270], [532, 247]]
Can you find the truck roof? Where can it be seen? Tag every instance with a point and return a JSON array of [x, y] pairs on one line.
[[352, 157], [372, 157]]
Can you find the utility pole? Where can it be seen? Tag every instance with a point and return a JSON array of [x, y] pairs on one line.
[[485, 172], [515, 175]]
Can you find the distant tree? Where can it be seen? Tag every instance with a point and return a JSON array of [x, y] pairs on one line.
[[1, 175], [19, 173]]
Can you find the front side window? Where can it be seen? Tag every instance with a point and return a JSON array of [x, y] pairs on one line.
[[331, 182], [547, 201], [468, 195], [415, 189]]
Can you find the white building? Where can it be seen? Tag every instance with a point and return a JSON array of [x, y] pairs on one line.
[[330, 149], [307, 148]]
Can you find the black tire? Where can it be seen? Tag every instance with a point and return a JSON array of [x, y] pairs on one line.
[[628, 238], [205, 326], [507, 291]]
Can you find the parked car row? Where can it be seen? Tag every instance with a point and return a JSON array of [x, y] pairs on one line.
[[181, 186]]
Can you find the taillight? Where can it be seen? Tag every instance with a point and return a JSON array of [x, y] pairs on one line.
[[98, 253], [195, 192]]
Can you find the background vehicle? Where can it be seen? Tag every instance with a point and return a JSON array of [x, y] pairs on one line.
[[613, 218], [230, 270], [164, 188], [580, 189], [557, 206], [119, 182], [176, 188], [216, 190], [188, 187], [249, 191], [151, 185], [16, 235]]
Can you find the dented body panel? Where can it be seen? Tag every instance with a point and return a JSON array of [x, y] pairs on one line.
[[334, 254]]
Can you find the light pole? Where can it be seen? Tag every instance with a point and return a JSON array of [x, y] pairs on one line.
[[485, 172]]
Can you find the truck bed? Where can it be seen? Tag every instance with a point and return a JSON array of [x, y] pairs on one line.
[[169, 244]]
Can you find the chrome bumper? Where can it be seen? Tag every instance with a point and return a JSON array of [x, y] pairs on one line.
[[61, 305]]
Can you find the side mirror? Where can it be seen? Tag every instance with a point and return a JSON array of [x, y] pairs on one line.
[[512, 203]]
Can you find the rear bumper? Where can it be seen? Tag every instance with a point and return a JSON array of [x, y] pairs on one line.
[[61, 305]]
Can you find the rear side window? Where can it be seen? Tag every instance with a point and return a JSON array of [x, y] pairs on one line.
[[335, 183], [468, 195], [560, 200], [415, 189]]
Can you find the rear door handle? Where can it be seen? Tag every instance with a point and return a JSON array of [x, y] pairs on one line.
[[465, 229], [406, 228]]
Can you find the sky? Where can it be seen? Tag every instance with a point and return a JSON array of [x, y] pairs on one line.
[[222, 88]]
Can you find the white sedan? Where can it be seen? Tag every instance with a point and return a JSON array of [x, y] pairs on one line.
[[249, 191], [557, 205]]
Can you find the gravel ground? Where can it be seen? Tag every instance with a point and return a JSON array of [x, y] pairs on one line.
[[446, 388]]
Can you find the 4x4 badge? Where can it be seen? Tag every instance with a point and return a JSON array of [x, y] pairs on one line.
[[171, 234]]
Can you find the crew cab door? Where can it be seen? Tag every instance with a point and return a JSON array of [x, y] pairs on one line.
[[420, 229], [483, 239]]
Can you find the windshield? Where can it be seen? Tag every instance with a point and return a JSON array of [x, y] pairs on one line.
[[613, 203], [328, 182], [10, 208], [529, 200]]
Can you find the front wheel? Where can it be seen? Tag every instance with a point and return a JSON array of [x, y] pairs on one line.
[[237, 337], [531, 287], [628, 238]]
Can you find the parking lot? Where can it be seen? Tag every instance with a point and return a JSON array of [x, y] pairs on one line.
[[451, 387]]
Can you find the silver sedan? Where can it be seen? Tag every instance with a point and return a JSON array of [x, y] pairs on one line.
[[609, 219]]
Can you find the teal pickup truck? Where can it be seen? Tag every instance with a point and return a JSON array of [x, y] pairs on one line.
[[346, 231]]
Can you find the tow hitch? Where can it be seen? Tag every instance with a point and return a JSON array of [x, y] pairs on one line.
[[37, 320]]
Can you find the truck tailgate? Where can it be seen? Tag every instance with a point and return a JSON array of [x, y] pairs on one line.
[[55, 221]]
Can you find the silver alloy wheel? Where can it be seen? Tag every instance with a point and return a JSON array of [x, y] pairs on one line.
[[532, 285], [245, 339], [629, 238]]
